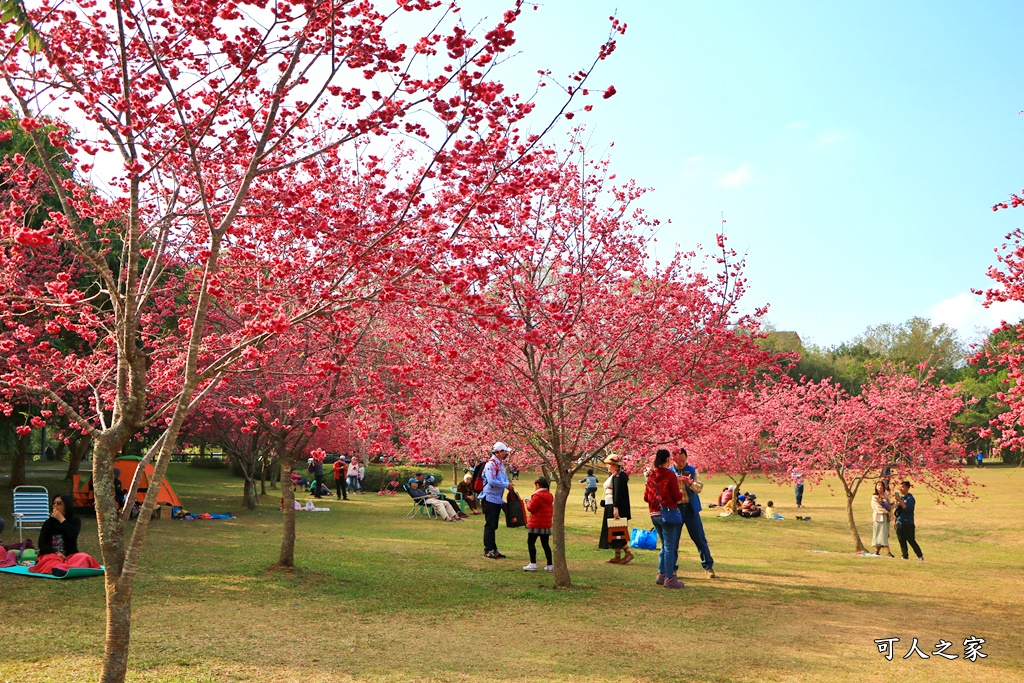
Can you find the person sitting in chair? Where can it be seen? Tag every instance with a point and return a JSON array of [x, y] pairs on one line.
[[465, 487], [441, 506]]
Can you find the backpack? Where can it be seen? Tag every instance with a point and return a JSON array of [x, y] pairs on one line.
[[311, 468], [478, 477]]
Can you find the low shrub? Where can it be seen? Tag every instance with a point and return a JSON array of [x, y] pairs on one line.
[[378, 476]]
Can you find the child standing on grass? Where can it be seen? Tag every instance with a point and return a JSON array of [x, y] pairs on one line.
[[541, 507]]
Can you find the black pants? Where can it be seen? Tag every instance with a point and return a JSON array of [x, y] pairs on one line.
[[531, 540], [339, 486], [905, 534], [492, 515], [318, 487]]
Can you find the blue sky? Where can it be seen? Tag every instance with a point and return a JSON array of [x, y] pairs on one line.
[[855, 149]]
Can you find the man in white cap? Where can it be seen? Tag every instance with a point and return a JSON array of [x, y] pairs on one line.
[[495, 483]]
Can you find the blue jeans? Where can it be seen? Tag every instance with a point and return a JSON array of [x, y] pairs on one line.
[[799, 491], [669, 535], [353, 483], [695, 527]]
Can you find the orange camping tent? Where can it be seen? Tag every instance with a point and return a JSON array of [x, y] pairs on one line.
[[126, 466]]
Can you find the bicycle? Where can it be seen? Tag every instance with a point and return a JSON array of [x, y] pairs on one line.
[[590, 501]]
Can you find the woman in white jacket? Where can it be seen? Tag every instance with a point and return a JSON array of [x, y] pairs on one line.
[[881, 508]]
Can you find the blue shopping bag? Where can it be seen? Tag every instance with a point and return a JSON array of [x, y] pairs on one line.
[[643, 539]]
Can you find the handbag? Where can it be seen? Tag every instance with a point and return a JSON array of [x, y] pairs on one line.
[[618, 529], [671, 516], [515, 511], [643, 539]]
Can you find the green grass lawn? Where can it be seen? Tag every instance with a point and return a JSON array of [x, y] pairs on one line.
[[381, 598]]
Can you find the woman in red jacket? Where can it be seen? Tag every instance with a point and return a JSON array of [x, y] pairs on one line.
[[662, 496], [541, 507]]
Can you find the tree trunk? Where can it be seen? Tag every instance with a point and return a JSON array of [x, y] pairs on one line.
[[249, 498], [734, 502], [562, 578], [78, 449], [119, 624], [287, 559], [118, 585], [859, 545], [263, 476], [21, 446]]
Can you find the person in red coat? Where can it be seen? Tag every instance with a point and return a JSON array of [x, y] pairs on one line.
[[541, 506]]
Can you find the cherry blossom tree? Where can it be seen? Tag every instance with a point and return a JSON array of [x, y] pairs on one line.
[[237, 155], [578, 344], [1005, 352], [898, 422], [731, 438]]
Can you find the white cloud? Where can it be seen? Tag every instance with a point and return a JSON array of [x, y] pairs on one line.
[[965, 313], [740, 176]]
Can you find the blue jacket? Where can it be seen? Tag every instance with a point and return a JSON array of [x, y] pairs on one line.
[[905, 515], [495, 481], [692, 498]]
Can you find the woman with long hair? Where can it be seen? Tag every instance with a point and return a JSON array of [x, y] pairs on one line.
[[58, 541], [881, 508], [662, 495]]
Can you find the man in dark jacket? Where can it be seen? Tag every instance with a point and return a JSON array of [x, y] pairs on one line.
[[318, 476], [905, 529]]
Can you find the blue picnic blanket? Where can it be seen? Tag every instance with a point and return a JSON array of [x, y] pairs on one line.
[[73, 573]]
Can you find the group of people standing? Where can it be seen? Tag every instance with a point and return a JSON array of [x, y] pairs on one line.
[[672, 495], [898, 508]]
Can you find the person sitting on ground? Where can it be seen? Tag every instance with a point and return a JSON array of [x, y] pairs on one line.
[[770, 512], [442, 507], [750, 507], [324, 491], [58, 541], [465, 487], [725, 496]]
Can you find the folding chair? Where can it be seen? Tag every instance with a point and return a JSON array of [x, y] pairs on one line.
[[460, 499], [419, 506], [31, 508]]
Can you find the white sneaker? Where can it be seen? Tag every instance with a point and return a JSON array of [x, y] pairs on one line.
[[549, 568], [532, 567]]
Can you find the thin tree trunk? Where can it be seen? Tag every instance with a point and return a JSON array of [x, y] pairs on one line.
[[119, 624], [118, 585], [78, 449], [562, 578], [21, 446], [287, 559], [249, 497], [734, 502], [858, 544]]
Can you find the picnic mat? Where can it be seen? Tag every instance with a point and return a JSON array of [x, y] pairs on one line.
[[73, 572]]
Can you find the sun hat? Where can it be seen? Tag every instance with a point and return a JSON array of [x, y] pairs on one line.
[[612, 460], [499, 447]]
